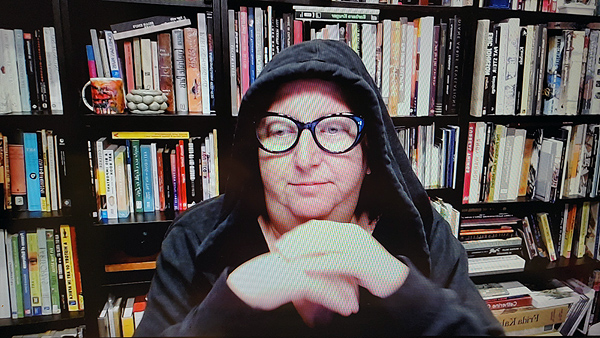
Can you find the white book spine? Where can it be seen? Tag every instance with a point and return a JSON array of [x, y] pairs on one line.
[[406, 69], [52, 171], [425, 55], [123, 201], [232, 62], [59, 166], [512, 65], [571, 93], [385, 68], [155, 73], [259, 41], [137, 63], [527, 91], [9, 65], [5, 311], [203, 55], [104, 53], [146, 53], [44, 272], [22, 71], [211, 164], [369, 39], [270, 31], [483, 27], [97, 54], [109, 175], [10, 265], [154, 175], [499, 164], [180, 72], [111, 50], [501, 82]]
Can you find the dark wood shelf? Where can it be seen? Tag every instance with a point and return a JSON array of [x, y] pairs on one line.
[[10, 327], [423, 120], [140, 218], [537, 120]]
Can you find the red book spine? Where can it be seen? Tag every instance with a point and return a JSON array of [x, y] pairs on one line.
[[298, 35], [178, 177], [509, 302], [244, 49], [129, 75], [468, 162], [183, 191], [161, 178], [76, 267]]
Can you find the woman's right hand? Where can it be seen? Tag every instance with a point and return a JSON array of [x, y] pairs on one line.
[[270, 280]]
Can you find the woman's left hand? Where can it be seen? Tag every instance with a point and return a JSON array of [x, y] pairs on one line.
[[344, 249]]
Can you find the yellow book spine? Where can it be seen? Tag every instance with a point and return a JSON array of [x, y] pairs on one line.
[[394, 98], [69, 269], [147, 135], [528, 318], [544, 226], [127, 326], [34, 273], [583, 229], [216, 157]]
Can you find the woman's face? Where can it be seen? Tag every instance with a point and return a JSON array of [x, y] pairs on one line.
[[306, 182]]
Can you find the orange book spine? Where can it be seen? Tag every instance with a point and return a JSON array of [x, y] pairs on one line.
[[129, 74], [192, 65], [76, 267]]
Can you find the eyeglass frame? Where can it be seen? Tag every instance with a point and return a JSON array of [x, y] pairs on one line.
[[310, 126]]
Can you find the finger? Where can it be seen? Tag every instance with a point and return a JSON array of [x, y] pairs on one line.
[[334, 294], [316, 237]]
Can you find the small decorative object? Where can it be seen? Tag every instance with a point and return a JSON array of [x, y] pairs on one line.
[[146, 101]]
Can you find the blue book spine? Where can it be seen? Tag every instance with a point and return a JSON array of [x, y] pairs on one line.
[[27, 310], [450, 159], [251, 46], [506, 4], [34, 199], [147, 178]]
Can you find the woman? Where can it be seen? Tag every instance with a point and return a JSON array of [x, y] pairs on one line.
[[324, 229]]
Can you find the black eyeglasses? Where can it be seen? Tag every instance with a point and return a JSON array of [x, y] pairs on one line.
[[335, 133]]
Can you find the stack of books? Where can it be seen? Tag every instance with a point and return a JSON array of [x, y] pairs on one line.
[[39, 273], [120, 317]]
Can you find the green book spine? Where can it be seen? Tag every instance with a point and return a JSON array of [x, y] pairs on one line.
[[53, 269], [18, 281], [34, 274], [137, 176]]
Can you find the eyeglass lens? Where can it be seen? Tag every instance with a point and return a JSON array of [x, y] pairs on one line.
[[333, 133]]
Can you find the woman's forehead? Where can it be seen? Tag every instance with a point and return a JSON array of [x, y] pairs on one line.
[[309, 98]]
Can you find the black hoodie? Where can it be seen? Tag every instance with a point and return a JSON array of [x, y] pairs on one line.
[[189, 295]]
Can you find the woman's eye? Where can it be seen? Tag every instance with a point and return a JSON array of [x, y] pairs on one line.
[[280, 130]]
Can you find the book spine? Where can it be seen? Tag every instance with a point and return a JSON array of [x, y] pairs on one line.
[[32, 172], [210, 39], [10, 294], [179, 68], [54, 87], [194, 94], [129, 68], [22, 71], [155, 69], [203, 63], [259, 40], [60, 269], [160, 178], [424, 64], [18, 275], [166, 160], [101, 176], [544, 225], [69, 268], [500, 251], [42, 168], [232, 61], [53, 271], [146, 63], [468, 163], [192, 193], [137, 176], [122, 187], [76, 271], [24, 260], [251, 46], [44, 271], [111, 187], [34, 274], [520, 70], [146, 171], [182, 175], [137, 63], [509, 302], [32, 77], [52, 172], [244, 49], [96, 48], [7, 174], [174, 178], [154, 168]]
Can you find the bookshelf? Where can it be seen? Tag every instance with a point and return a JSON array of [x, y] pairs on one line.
[[143, 232]]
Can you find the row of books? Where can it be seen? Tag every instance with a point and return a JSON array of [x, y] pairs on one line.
[[547, 6], [415, 64], [121, 316], [32, 166], [78, 332], [152, 171], [505, 163], [452, 3], [160, 53], [562, 308], [543, 69], [433, 153], [573, 233], [30, 79], [39, 273]]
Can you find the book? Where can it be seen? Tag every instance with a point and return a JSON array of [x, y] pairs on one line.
[[316, 13], [76, 270], [5, 297], [53, 271], [44, 272], [137, 176], [129, 66], [121, 182], [232, 61], [10, 100], [69, 268], [146, 178], [24, 261], [100, 175], [203, 58], [110, 177], [139, 306], [34, 274], [543, 223], [146, 26], [127, 321], [102, 319], [32, 171], [530, 320], [22, 70], [19, 309], [194, 81], [54, 85], [165, 65], [495, 264], [179, 72], [477, 91]]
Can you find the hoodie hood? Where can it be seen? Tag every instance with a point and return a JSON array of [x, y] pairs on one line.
[[405, 225]]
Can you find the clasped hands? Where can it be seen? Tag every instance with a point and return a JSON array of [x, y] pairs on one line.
[[322, 262]]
